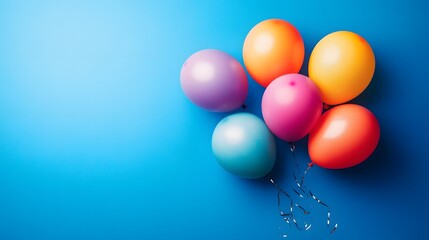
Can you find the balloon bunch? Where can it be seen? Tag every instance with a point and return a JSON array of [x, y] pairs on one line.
[[340, 67]]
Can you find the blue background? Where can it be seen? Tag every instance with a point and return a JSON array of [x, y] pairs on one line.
[[98, 141]]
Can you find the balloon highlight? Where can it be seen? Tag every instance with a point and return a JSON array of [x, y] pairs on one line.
[[243, 146], [214, 80]]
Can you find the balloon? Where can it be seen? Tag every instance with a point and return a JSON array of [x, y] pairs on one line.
[[345, 136], [214, 80], [342, 65], [243, 145], [272, 48], [291, 106]]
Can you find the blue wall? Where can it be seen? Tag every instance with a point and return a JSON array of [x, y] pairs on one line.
[[97, 140]]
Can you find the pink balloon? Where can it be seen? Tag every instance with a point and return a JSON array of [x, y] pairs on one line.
[[291, 106]]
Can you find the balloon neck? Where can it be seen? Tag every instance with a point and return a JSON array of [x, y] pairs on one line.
[[244, 106], [326, 106], [292, 146]]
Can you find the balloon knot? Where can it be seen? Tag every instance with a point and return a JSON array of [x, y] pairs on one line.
[[310, 165], [326, 106], [244, 106]]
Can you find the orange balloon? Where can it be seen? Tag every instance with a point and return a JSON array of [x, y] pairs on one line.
[[272, 48], [345, 136], [342, 65]]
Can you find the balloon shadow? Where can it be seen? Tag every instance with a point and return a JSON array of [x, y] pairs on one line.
[[385, 164], [383, 168], [283, 167], [376, 89], [286, 161]]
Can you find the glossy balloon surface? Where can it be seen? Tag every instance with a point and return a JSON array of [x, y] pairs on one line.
[[291, 105], [244, 146], [342, 65], [214, 80], [345, 136], [273, 48]]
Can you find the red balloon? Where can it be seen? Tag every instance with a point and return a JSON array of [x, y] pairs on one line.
[[344, 136]]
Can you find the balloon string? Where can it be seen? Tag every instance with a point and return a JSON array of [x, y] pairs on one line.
[[302, 187], [302, 191], [328, 221], [289, 216]]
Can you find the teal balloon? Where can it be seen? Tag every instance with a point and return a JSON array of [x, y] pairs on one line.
[[244, 146]]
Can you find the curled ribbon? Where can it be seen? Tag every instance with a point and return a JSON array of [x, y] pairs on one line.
[[302, 191]]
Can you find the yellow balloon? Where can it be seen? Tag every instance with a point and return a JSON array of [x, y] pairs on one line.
[[342, 65]]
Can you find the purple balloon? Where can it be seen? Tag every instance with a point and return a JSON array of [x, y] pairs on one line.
[[214, 80]]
